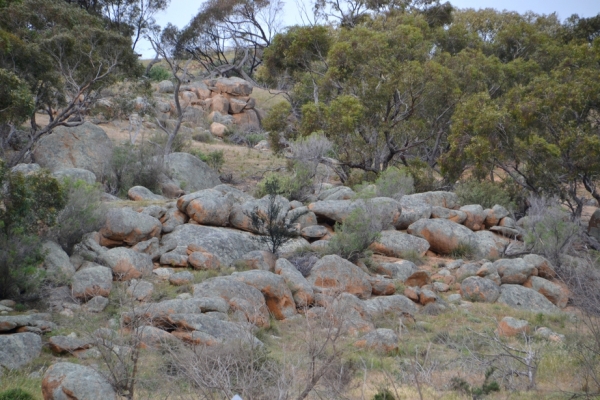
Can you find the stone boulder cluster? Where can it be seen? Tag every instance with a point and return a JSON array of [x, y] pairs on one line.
[[226, 102], [212, 230]]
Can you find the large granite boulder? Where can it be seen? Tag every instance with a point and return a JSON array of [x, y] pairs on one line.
[[479, 289], [57, 262], [227, 245], [127, 264], [126, 226], [277, 294], [19, 349], [86, 146], [301, 289], [68, 381], [517, 296], [241, 297], [92, 280], [444, 236], [398, 244], [191, 173], [336, 275]]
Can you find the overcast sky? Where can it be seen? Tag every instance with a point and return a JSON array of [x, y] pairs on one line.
[[181, 11]]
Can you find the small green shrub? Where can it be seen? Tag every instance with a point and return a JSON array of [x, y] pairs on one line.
[[214, 159], [203, 137], [464, 250], [159, 73], [424, 177], [277, 124], [135, 166], [294, 186], [29, 208], [16, 394], [485, 193], [352, 238], [394, 182], [181, 143], [82, 213], [384, 394], [413, 256]]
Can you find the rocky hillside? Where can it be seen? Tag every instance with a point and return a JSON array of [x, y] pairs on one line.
[[190, 272]]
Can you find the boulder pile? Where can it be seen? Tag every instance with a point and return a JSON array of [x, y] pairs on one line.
[[226, 102]]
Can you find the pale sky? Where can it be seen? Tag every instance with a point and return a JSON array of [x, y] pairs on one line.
[[180, 12]]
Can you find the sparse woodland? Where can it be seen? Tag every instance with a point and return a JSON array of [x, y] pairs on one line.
[[394, 199]]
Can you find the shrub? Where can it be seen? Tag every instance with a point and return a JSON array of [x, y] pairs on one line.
[[393, 182], [295, 186], [384, 394], [203, 137], [82, 213], [30, 206], [16, 394], [549, 230], [464, 250], [159, 73], [485, 193], [303, 260], [360, 229], [276, 229], [181, 142], [277, 124], [214, 159], [135, 165], [424, 177]]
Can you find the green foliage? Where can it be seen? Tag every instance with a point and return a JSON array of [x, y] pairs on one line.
[[82, 213], [158, 73], [485, 193], [394, 182], [214, 159], [16, 394], [549, 230], [277, 124], [358, 231], [464, 250], [30, 207], [487, 387], [384, 394], [135, 166], [16, 102], [295, 185], [203, 137], [181, 142]]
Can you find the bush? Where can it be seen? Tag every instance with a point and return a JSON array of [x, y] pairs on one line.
[[395, 182], [384, 394], [30, 207], [82, 213], [182, 141], [214, 159], [424, 177], [294, 186], [549, 230], [485, 193], [159, 73], [275, 228], [360, 229], [277, 124], [16, 394], [203, 137], [135, 166]]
